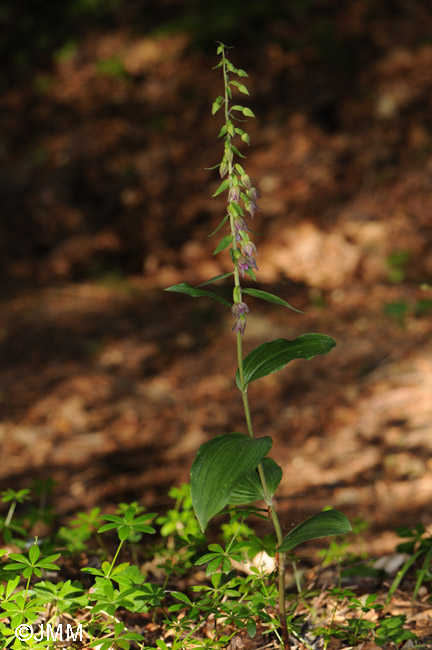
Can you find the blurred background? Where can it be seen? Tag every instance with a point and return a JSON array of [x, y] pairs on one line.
[[108, 385]]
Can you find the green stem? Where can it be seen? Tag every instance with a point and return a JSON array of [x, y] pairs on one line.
[[268, 499], [115, 558], [10, 513]]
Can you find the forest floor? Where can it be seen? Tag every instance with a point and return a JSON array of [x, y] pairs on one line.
[[109, 384]]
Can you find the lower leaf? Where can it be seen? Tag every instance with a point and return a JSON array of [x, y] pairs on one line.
[[219, 466], [249, 488]]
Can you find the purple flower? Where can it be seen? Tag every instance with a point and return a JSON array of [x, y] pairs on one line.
[[252, 194], [251, 207], [249, 249], [234, 195], [240, 226], [239, 311], [246, 263]]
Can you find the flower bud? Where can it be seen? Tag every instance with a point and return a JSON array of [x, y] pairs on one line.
[[245, 180], [234, 195]]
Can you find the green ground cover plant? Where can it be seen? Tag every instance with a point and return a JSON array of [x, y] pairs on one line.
[[123, 590]]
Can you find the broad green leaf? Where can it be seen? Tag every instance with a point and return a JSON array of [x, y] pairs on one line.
[[247, 112], [224, 243], [218, 467], [249, 488], [275, 355], [264, 295], [186, 288], [215, 279], [222, 187], [325, 524]]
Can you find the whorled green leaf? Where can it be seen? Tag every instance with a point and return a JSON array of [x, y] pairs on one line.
[[218, 467], [275, 355], [249, 488], [264, 295], [325, 524], [189, 290]]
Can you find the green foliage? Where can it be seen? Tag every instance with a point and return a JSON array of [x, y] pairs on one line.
[[214, 475], [397, 263], [271, 357], [249, 488], [112, 67], [324, 524], [195, 292], [121, 591]]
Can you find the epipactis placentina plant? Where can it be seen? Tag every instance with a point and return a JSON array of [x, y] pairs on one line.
[[233, 469]]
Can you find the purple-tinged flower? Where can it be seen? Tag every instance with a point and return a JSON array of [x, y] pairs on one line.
[[251, 207], [239, 311], [246, 263], [252, 194], [240, 226], [234, 195], [249, 249]]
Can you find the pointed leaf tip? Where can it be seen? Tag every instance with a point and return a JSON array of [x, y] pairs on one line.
[[275, 355], [194, 292], [324, 524]]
